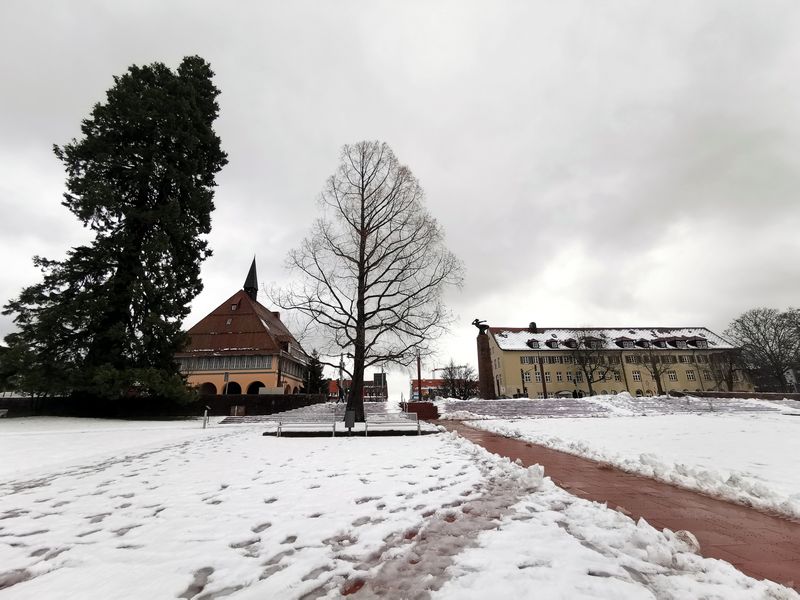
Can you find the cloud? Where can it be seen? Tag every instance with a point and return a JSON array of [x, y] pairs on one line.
[[605, 163]]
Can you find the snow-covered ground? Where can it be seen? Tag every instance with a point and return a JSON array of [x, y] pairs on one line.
[[743, 451], [227, 512]]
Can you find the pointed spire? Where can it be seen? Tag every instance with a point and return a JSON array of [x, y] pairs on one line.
[[251, 283]]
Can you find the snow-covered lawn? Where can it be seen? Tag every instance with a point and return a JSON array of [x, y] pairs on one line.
[[749, 456], [226, 512]]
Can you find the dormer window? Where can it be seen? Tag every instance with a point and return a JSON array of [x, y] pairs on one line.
[[234, 307], [532, 344], [552, 343], [681, 343], [701, 344], [627, 344]]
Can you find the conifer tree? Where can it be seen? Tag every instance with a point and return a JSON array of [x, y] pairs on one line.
[[316, 382], [106, 320]]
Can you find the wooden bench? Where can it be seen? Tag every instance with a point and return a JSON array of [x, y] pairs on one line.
[[403, 418], [301, 422]]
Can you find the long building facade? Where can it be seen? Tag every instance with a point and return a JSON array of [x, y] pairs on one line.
[[538, 362], [242, 347]]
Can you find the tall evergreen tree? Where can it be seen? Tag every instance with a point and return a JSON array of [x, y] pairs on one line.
[[107, 319], [315, 378]]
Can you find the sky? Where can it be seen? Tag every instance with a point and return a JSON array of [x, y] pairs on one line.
[[623, 163]]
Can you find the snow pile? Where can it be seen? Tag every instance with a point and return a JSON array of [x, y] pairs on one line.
[[749, 459]]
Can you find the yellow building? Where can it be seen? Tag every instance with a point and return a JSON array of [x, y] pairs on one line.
[[548, 362], [242, 347]]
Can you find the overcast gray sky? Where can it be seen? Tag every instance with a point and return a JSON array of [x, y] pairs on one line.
[[616, 163]]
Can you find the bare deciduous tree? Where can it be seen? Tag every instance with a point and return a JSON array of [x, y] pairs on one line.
[[589, 354], [459, 381], [770, 343], [374, 266], [658, 364]]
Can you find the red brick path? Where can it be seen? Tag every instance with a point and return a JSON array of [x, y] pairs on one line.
[[758, 544]]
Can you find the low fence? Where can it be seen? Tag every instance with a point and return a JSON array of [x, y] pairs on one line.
[[257, 404], [755, 395], [148, 408]]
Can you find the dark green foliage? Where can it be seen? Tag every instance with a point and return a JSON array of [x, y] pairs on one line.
[[106, 321], [315, 380]]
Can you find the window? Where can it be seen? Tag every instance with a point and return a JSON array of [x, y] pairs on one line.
[[540, 396], [627, 344], [569, 376], [559, 376], [684, 358], [673, 358], [228, 322], [614, 360], [538, 376], [701, 344], [617, 377], [672, 375], [637, 375], [578, 377], [690, 375], [701, 359], [706, 374], [681, 344], [551, 395], [629, 358], [526, 377], [234, 306], [547, 377]]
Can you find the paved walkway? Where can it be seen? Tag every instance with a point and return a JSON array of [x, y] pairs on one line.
[[758, 544]]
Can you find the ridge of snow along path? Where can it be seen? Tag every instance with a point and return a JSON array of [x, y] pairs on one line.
[[743, 450], [226, 512]]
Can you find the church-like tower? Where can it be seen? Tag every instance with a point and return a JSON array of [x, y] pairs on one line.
[[242, 347]]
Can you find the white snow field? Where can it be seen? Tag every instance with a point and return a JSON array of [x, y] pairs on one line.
[[227, 512], [742, 450]]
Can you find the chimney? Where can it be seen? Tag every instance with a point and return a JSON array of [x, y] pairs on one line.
[[532, 326]]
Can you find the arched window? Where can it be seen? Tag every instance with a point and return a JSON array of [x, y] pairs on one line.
[[233, 388], [208, 389], [295, 390], [254, 387], [638, 393]]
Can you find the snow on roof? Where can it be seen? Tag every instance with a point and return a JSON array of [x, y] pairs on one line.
[[516, 338]]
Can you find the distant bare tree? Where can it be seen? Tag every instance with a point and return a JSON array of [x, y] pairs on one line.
[[588, 351], [657, 363], [459, 381], [770, 344], [374, 266], [726, 366]]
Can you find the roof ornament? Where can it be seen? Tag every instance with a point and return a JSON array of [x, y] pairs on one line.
[[251, 283]]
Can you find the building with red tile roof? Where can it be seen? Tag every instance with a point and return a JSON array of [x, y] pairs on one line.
[[242, 347]]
